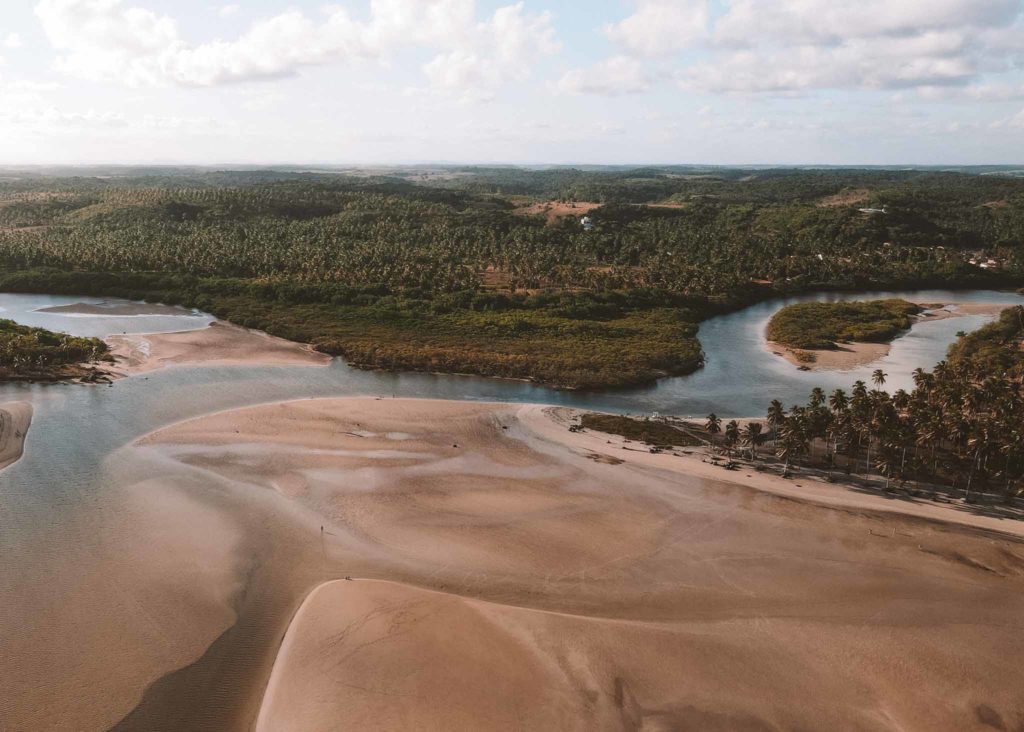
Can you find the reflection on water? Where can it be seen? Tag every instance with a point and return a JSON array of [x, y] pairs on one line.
[[76, 427], [30, 310]]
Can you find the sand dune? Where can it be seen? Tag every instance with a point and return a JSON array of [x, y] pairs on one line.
[[386, 656], [15, 419], [505, 579], [219, 344], [541, 589]]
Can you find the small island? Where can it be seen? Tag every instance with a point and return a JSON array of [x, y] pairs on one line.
[[839, 335], [37, 354]]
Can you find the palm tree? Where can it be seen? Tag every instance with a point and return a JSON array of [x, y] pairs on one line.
[[753, 437], [838, 402], [878, 378], [732, 435], [793, 439], [713, 427], [776, 416]]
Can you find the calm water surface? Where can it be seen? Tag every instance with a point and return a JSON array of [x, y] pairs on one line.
[[76, 428]]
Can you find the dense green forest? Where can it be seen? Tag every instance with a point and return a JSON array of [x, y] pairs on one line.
[[822, 325], [448, 270]]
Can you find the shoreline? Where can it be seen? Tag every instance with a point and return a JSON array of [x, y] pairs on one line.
[[853, 355], [218, 344], [803, 487], [738, 301], [502, 547]]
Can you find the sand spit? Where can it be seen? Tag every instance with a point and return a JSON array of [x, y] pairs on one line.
[[849, 356], [845, 357], [118, 309], [220, 344], [15, 419], [502, 578]]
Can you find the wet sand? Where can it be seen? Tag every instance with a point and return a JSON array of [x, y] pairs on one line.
[[15, 419], [849, 356], [117, 309], [220, 344], [518, 581], [844, 357]]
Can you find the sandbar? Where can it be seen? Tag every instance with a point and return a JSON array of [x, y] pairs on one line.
[[118, 309], [219, 344], [503, 573]]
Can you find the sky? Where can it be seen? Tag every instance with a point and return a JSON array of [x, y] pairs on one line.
[[880, 82]]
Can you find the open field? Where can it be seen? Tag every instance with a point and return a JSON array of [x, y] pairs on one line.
[[555, 211]]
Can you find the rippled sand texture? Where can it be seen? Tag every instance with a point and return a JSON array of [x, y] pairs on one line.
[[503, 578], [220, 344]]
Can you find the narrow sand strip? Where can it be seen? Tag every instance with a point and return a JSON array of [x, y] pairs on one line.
[[220, 344], [552, 423]]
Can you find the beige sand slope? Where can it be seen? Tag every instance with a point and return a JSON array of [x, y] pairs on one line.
[[15, 419], [386, 656], [506, 576], [219, 344]]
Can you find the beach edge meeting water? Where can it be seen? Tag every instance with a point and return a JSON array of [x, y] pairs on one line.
[[105, 487], [253, 509]]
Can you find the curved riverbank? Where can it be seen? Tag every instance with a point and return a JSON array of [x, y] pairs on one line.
[[847, 356]]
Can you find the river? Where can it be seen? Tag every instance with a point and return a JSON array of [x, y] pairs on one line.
[[61, 511], [76, 427]]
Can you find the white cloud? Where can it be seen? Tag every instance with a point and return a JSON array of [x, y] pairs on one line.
[[501, 49], [747, 22], [226, 11], [107, 40], [13, 40], [661, 26], [617, 75], [785, 46]]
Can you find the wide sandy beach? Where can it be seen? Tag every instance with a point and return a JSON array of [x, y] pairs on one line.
[[504, 574]]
